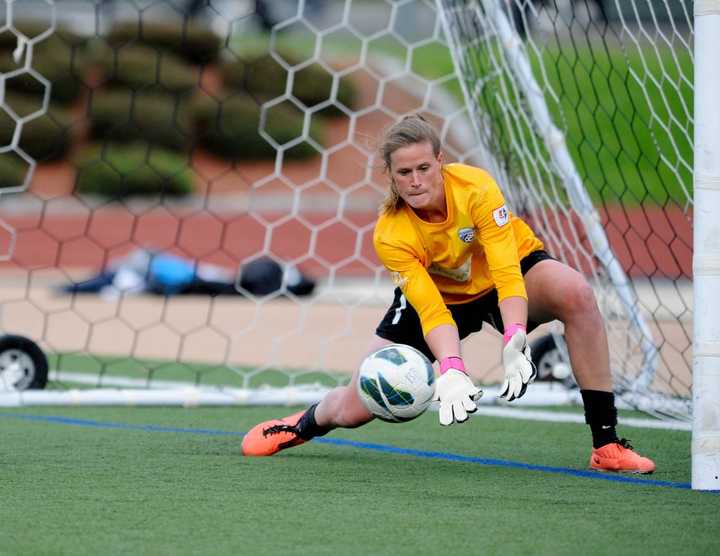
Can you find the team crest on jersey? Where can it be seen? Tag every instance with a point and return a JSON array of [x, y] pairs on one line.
[[501, 215], [466, 234]]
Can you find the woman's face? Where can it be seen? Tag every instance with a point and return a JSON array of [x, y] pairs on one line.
[[417, 174]]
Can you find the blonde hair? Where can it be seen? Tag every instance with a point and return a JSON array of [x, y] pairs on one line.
[[410, 130]]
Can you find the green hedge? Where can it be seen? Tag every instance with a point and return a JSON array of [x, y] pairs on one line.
[[32, 29], [62, 64], [192, 42], [132, 170], [127, 116], [265, 78], [12, 170], [44, 138], [142, 67], [229, 129]]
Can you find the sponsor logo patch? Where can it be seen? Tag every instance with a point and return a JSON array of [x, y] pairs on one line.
[[501, 215], [459, 274], [466, 234]]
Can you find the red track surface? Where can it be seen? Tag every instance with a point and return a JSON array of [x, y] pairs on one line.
[[59, 230], [647, 242]]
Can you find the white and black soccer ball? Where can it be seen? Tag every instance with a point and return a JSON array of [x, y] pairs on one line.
[[396, 383]]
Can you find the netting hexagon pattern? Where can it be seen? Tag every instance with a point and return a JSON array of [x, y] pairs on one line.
[[216, 142]]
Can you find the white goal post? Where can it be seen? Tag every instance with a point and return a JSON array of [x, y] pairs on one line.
[[706, 261]]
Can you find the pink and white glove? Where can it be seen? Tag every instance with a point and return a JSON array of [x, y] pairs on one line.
[[455, 392], [517, 360]]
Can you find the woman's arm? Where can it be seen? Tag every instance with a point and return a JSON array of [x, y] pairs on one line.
[[514, 310], [444, 341]]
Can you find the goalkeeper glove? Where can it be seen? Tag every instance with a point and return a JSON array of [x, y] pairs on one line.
[[455, 392], [519, 368]]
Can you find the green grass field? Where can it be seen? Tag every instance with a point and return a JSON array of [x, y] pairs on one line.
[[172, 481]]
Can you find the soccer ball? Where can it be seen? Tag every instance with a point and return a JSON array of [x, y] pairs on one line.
[[396, 383]]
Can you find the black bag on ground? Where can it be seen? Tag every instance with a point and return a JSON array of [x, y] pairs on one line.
[[265, 276]]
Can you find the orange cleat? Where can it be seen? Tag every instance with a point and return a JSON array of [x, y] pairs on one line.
[[619, 456], [270, 437]]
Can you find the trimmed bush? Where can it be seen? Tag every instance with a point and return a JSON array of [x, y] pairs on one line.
[[12, 170], [45, 137], [60, 63], [192, 42], [229, 129], [132, 170], [126, 116], [142, 67], [263, 77], [32, 29], [313, 85]]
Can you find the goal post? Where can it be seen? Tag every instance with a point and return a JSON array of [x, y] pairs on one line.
[[706, 260]]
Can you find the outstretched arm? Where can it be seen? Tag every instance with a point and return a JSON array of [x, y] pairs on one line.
[[454, 389], [444, 341], [496, 235], [514, 310]]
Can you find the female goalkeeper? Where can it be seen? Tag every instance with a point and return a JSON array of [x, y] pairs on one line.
[[459, 258]]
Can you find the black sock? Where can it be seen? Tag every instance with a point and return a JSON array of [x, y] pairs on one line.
[[308, 428], [601, 415]]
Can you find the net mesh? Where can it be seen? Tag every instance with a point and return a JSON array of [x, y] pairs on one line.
[[587, 110], [185, 148]]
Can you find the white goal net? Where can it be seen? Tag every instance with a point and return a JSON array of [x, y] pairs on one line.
[[587, 109], [189, 188]]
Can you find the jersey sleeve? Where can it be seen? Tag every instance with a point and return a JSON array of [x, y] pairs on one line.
[[495, 234], [410, 275]]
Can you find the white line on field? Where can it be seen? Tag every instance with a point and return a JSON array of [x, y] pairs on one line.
[[556, 417], [483, 410]]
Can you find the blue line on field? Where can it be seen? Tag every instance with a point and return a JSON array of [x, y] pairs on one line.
[[501, 463], [360, 445], [123, 426]]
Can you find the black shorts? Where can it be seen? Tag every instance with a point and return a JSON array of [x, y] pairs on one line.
[[401, 324]]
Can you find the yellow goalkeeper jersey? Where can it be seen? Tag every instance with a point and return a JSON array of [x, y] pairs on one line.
[[477, 248]]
